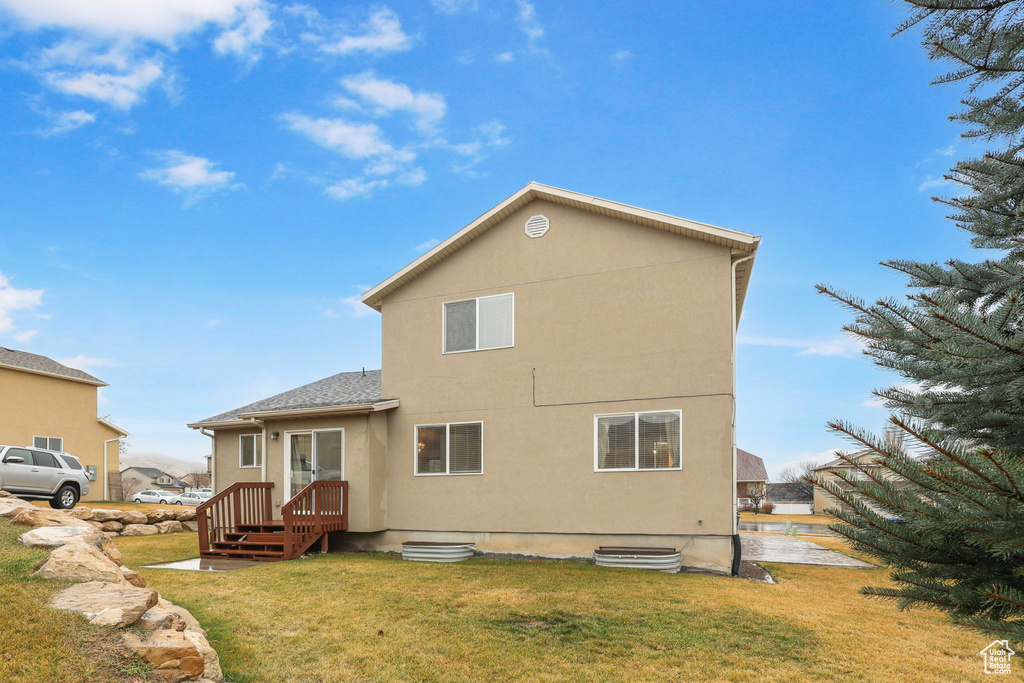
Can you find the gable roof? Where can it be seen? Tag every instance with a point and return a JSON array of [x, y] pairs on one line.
[[154, 473], [839, 462], [41, 365], [336, 391], [790, 493], [749, 467], [742, 242]]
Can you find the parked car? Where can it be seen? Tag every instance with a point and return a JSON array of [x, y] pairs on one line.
[[205, 490], [37, 473], [191, 498], [154, 496]]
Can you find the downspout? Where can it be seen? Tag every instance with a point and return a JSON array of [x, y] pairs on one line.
[[733, 514], [263, 447], [106, 479], [213, 458]]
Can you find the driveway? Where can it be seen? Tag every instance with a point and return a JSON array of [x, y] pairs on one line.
[[786, 549]]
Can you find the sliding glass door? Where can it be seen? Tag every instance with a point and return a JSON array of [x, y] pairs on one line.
[[317, 455]]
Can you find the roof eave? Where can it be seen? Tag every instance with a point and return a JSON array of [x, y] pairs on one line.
[[95, 383], [112, 426], [351, 409]]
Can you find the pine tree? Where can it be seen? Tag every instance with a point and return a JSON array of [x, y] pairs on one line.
[[943, 505]]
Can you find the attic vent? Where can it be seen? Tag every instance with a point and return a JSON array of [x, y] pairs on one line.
[[537, 226]]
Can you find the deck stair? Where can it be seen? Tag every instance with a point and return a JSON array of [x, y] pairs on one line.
[[237, 523]]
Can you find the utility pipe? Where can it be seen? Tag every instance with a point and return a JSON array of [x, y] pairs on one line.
[[213, 458], [263, 452], [106, 478], [735, 326]]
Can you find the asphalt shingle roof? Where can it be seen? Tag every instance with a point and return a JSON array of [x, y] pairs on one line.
[[154, 473], [343, 389], [749, 467], [33, 361]]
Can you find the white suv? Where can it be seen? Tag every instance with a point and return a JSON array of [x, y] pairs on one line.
[[39, 473]]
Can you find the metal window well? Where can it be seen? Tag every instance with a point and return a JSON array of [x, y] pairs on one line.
[[658, 559], [426, 551]]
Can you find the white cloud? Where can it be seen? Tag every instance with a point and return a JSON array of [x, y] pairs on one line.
[[66, 121], [354, 187], [835, 346], [13, 299], [243, 39], [621, 56], [530, 25], [352, 306], [455, 6], [387, 96], [25, 336], [193, 176], [504, 57], [122, 91], [382, 32], [354, 140], [947, 151], [427, 246], [487, 136], [932, 182], [81, 362]]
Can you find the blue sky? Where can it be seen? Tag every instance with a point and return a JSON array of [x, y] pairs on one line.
[[195, 192]]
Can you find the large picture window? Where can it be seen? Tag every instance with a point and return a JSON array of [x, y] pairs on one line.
[[456, 448], [250, 450], [478, 324], [638, 441]]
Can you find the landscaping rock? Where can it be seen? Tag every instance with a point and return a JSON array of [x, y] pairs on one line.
[[111, 534], [108, 548], [80, 561], [9, 507], [158, 618], [190, 526], [172, 656], [56, 536], [6, 494], [159, 516], [112, 526], [211, 661], [185, 514], [133, 517], [191, 623], [95, 524], [80, 512], [106, 604], [171, 526], [36, 517], [133, 577], [139, 530], [101, 515]]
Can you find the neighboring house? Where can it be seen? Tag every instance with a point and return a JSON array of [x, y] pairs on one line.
[[751, 476], [791, 499], [822, 499], [196, 480], [136, 479], [557, 376], [45, 404]]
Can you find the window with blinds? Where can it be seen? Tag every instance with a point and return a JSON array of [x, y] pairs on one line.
[[455, 448], [250, 450], [638, 441], [478, 324]]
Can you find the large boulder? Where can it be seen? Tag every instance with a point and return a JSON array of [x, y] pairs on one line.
[[191, 623], [80, 561], [6, 494], [185, 514], [171, 526], [133, 577], [9, 507], [190, 526], [133, 517], [112, 525], [35, 517], [56, 536], [139, 530], [106, 604], [158, 618], [154, 516], [172, 656], [103, 515], [108, 548], [211, 661], [80, 512]]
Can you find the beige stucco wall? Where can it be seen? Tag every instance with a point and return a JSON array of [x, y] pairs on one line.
[[40, 405], [610, 316]]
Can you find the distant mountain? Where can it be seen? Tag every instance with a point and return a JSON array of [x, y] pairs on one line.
[[176, 467]]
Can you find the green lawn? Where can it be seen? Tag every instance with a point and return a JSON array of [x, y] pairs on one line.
[[39, 644], [376, 617]]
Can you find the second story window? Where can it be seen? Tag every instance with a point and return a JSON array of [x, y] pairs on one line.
[[53, 443], [478, 324]]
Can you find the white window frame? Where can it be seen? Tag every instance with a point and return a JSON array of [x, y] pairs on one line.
[[447, 449], [476, 341], [47, 446], [254, 437], [636, 443]]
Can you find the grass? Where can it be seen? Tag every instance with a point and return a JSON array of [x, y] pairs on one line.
[[375, 617], [796, 519], [39, 643]]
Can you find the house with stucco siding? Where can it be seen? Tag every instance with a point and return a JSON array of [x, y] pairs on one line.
[[557, 376]]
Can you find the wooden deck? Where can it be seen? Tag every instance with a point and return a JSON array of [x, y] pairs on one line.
[[238, 521]]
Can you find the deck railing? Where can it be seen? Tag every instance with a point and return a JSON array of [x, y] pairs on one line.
[[240, 503], [316, 510]]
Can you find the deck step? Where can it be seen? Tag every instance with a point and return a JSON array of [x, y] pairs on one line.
[[244, 552], [254, 537]]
